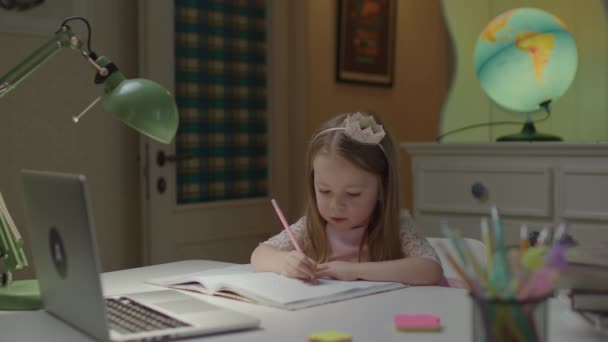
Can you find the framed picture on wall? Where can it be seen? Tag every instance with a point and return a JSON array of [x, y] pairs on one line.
[[366, 41]]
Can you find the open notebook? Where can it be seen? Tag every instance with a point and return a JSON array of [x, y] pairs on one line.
[[266, 288]]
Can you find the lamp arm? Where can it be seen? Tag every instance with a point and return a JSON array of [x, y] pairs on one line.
[[62, 38]]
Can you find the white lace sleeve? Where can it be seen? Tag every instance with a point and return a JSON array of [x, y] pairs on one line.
[[282, 241], [412, 243]]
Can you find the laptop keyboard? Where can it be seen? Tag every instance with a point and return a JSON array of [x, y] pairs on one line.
[[127, 316]]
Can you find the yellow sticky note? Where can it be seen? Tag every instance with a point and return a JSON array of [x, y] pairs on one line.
[[329, 336]]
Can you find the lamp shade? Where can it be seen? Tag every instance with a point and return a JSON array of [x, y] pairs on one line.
[[145, 106]]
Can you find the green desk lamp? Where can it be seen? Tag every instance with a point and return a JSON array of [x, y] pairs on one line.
[[141, 104]]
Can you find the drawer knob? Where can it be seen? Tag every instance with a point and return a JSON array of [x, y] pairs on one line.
[[479, 191]]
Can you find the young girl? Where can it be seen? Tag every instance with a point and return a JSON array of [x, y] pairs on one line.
[[352, 228]]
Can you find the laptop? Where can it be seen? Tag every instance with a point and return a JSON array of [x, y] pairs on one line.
[[62, 235]]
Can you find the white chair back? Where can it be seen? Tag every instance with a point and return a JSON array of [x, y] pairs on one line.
[[477, 248]]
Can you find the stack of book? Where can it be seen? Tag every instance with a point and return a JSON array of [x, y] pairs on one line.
[[587, 268], [587, 278]]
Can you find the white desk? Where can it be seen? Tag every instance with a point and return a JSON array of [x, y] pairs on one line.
[[366, 318]]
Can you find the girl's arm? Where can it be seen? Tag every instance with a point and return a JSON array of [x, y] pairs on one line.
[[278, 255], [293, 264], [266, 258], [420, 267], [409, 271]]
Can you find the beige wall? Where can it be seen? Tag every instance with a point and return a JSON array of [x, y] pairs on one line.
[[36, 130], [422, 67]]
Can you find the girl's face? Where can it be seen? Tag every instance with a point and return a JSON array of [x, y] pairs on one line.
[[346, 195]]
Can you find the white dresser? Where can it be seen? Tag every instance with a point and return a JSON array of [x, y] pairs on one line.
[[531, 183]]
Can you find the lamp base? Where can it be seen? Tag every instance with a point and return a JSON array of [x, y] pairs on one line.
[[529, 133], [21, 295]]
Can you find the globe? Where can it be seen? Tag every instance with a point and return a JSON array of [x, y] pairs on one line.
[[525, 59]]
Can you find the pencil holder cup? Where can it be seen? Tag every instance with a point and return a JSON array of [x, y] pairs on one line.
[[512, 320]]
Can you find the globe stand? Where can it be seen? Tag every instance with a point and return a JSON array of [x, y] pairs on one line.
[[529, 133]]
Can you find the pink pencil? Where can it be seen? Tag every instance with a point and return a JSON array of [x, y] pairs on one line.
[[285, 225]]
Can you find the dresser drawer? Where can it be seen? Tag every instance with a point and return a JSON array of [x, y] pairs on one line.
[[516, 191], [583, 193], [469, 225]]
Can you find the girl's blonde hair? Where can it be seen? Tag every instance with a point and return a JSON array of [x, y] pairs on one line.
[[382, 234]]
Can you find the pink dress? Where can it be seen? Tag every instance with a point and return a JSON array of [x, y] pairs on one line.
[[345, 244]]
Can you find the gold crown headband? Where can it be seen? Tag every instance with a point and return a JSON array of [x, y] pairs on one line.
[[360, 128]]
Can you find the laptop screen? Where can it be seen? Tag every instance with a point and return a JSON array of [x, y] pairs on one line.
[[62, 235]]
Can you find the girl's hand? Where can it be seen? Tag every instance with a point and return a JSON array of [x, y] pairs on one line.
[[298, 265], [340, 270]]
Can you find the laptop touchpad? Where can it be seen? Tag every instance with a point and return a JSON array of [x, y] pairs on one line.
[[186, 306]]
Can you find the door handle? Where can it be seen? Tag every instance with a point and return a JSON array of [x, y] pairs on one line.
[[161, 185], [162, 158]]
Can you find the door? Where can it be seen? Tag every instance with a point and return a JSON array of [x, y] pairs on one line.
[[226, 230]]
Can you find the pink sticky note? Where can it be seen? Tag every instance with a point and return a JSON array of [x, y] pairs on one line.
[[420, 322]]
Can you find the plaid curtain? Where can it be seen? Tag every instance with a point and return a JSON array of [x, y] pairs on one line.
[[220, 77]]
